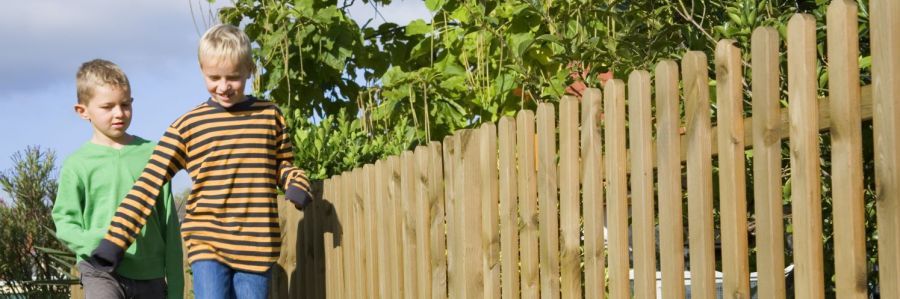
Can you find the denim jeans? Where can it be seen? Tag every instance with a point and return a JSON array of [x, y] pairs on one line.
[[214, 280]]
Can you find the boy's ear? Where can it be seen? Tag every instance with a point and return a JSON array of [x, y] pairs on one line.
[[81, 110]]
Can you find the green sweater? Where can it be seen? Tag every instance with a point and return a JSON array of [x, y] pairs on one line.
[[92, 183]]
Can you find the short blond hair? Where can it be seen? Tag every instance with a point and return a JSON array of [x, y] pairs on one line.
[[227, 43], [99, 72]]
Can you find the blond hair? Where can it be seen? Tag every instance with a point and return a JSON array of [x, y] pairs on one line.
[[99, 72], [226, 42]]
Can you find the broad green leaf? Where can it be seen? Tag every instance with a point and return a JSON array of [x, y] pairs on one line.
[[418, 27], [520, 42], [434, 5]]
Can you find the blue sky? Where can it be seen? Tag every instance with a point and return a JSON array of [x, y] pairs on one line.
[[153, 41]]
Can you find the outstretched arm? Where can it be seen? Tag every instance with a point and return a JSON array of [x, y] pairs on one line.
[[167, 159]]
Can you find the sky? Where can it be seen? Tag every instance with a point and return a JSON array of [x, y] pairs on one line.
[[153, 41]]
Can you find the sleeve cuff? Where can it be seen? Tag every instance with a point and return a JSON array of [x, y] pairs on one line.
[[106, 256], [299, 197]]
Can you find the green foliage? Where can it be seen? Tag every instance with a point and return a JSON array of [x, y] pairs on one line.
[[33, 261], [339, 143]]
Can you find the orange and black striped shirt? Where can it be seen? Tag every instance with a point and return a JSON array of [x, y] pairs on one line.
[[237, 157]]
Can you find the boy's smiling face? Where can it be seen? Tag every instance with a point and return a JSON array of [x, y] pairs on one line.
[[109, 111], [225, 80]]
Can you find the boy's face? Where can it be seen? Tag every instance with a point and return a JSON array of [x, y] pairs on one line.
[[224, 79], [109, 112]]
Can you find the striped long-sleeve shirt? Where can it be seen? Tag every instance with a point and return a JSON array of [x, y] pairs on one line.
[[236, 157]]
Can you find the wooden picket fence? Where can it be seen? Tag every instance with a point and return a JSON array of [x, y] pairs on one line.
[[519, 208]]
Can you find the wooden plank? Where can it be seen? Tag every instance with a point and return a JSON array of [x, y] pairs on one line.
[[452, 167], [547, 200], [767, 163], [409, 224], [393, 215], [527, 183], [846, 151], [421, 181], [805, 186], [370, 199], [617, 189], [509, 218], [335, 245], [569, 199], [346, 227], [592, 194], [732, 180], [699, 172], [671, 229], [382, 237], [470, 214], [490, 229], [885, 43], [643, 219], [328, 238], [314, 254], [436, 282], [361, 248]]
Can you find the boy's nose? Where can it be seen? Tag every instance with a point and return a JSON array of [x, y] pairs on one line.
[[118, 111], [224, 87]]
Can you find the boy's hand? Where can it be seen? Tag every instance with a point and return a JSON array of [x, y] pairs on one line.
[[106, 256], [299, 197]]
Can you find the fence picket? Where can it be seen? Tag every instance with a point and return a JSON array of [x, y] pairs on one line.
[[885, 41], [641, 157], [592, 192], [509, 218], [699, 175], [846, 150], [732, 184], [671, 225], [569, 201], [527, 182], [805, 188], [617, 189]]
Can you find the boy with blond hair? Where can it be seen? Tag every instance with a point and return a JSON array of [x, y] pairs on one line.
[[237, 151], [93, 181]]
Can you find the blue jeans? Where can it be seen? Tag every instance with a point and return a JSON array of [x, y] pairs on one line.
[[214, 280]]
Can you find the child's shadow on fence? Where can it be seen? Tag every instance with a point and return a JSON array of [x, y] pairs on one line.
[[301, 273]]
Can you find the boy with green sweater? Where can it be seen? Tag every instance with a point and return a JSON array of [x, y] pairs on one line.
[[92, 183]]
